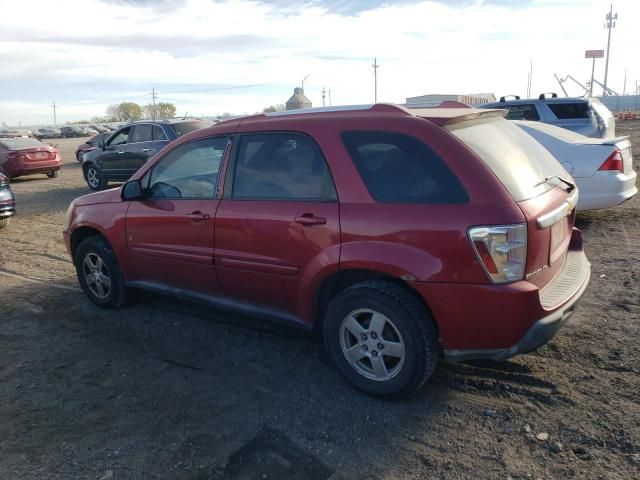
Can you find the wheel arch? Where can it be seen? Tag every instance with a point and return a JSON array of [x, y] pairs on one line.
[[338, 281]]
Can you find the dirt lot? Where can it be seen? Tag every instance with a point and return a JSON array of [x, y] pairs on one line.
[[165, 390]]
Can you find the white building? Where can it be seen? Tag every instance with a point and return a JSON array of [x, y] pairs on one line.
[[437, 99]]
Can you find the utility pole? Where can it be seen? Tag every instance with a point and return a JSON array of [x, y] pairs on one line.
[[323, 92], [330, 95], [609, 24], [153, 96], [307, 76], [529, 79], [55, 120], [624, 87], [375, 80]]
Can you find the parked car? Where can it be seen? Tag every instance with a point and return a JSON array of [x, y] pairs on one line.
[[90, 131], [364, 225], [73, 132], [586, 116], [47, 132], [99, 128], [28, 156], [127, 149], [7, 201], [16, 133], [602, 168], [90, 144]]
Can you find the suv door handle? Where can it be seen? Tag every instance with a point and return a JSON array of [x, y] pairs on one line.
[[198, 216], [309, 219], [121, 152], [145, 150]]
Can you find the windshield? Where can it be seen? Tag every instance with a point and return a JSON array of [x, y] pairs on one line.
[[519, 161], [183, 128]]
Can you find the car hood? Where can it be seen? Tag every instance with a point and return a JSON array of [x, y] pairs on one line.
[[106, 196]]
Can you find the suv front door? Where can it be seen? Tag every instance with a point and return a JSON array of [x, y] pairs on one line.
[[170, 231], [278, 222], [112, 161]]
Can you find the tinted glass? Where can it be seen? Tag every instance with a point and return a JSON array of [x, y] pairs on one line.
[[121, 137], [397, 168], [565, 111], [141, 133], [158, 133], [514, 156], [188, 171], [522, 112], [282, 166], [183, 128]]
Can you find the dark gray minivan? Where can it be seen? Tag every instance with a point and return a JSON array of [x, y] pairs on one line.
[[122, 153]]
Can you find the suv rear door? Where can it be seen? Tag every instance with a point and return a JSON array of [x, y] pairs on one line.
[[278, 221]]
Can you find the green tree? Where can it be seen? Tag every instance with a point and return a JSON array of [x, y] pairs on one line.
[[274, 108], [161, 110], [125, 112]]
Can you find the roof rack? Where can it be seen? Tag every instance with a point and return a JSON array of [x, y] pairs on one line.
[[543, 95], [515, 97]]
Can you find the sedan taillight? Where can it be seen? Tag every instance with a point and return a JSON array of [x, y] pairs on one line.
[[501, 250], [614, 162]]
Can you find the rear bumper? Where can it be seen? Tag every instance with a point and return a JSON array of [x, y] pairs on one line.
[[605, 190], [32, 168], [577, 270], [500, 321]]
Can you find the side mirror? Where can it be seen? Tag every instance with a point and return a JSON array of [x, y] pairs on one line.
[[132, 190]]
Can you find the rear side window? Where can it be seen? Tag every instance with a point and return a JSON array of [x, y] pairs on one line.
[[565, 111], [182, 128], [397, 168], [523, 112], [281, 166], [141, 133], [158, 133]]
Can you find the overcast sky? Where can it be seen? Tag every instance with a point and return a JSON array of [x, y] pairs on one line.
[[209, 57]]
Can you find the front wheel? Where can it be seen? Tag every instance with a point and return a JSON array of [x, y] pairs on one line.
[[382, 338], [99, 273], [94, 177]]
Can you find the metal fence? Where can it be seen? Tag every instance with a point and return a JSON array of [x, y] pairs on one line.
[[621, 102]]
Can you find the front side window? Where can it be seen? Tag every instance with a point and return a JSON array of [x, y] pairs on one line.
[[121, 137], [281, 166], [523, 112], [398, 168], [141, 133], [188, 171]]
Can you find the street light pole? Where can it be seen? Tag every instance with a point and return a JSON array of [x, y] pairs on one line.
[[375, 80], [610, 24]]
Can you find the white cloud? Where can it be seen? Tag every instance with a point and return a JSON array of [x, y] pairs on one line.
[[423, 47]]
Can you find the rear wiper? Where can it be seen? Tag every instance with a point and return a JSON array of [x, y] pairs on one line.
[[566, 182]]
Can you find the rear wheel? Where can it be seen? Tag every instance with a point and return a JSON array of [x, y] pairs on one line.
[[382, 338], [99, 273], [94, 177], [53, 174]]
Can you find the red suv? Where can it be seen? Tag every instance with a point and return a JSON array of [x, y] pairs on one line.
[[398, 236]]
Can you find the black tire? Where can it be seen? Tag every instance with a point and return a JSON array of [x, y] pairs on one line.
[[91, 249], [94, 177], [408, 317], [79, 156], [4, 222], [53, 174]]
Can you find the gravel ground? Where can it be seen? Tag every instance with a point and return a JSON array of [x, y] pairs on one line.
[[163, 389]]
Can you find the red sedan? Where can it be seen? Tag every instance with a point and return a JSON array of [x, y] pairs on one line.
[[27, 156]]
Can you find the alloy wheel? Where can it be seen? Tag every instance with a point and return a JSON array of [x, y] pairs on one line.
[[93, 178], [372, 344], [97, 275]]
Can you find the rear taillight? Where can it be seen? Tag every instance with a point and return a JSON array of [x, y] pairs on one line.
[[614, 162], [501, 250]]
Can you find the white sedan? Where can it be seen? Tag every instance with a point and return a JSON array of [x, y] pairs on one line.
[[601, 167]]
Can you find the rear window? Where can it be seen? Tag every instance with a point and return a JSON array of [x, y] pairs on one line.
[[183, 128], [397, 168], [21, 143], [565, 111], [519, 161]]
